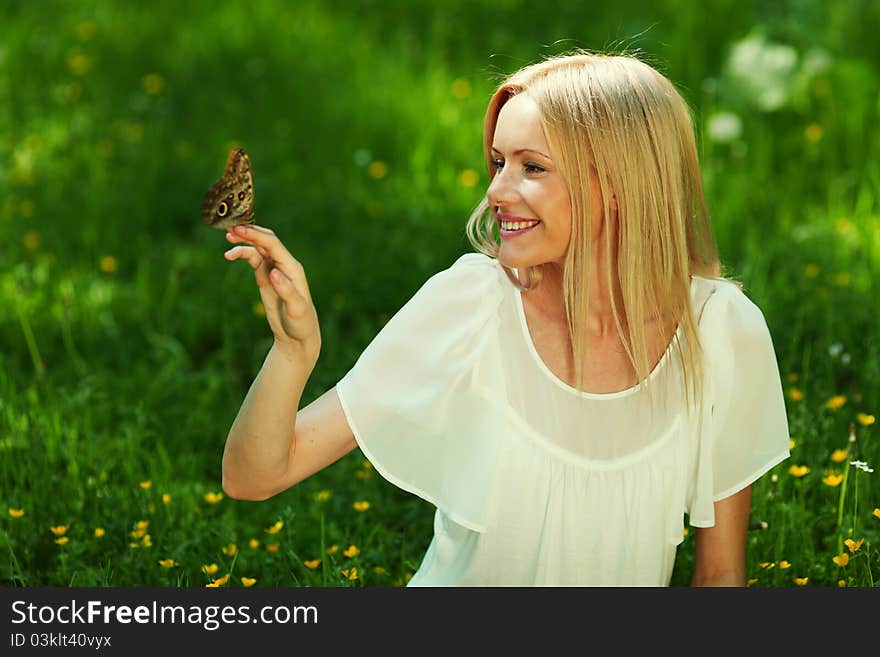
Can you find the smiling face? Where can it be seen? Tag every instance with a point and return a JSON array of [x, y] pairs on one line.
[[527, 186]]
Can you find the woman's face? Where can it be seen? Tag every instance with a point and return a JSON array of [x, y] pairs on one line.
[[527, 187]]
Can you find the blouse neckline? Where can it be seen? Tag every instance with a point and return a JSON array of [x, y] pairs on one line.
[[527, 336]]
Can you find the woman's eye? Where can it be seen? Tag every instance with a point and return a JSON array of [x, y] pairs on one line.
[[497, 164], [534, 168]]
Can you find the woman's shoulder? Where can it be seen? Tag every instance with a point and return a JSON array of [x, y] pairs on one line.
[[472, 273], [477, 261], [729, 311]]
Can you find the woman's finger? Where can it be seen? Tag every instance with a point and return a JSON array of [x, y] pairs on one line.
[[265, 240], [248, 253], [271, 248], [294, 304], [258, 263]]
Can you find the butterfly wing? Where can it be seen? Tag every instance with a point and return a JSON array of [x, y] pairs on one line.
[[230, 201]]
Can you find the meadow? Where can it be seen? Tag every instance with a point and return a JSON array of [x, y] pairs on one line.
[[127, 342]]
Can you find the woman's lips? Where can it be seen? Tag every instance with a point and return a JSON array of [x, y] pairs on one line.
[[515, 233]]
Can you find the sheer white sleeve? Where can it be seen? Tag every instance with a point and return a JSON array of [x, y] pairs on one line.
[[409, 399], [746, 433]]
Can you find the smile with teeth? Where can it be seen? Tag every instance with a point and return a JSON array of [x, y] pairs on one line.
[[517, 225]]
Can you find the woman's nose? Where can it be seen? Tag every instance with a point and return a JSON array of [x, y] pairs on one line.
[[500, 191]]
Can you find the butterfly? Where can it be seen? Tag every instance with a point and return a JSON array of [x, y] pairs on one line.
[[230, 201]]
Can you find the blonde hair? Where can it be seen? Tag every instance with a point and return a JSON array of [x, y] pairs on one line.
[[621, 118]]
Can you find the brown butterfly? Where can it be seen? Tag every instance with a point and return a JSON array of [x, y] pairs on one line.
[[231, 200]]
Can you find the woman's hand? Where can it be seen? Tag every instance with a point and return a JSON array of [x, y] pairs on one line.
[[283, 289]]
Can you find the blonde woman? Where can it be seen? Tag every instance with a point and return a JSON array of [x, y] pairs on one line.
[[569, 393]]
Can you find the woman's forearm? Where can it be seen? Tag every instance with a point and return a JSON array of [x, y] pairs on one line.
[[260, 440]]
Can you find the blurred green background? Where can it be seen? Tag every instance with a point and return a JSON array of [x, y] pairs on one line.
[[127, 342]]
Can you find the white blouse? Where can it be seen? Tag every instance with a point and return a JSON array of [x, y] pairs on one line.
[[535, 482]]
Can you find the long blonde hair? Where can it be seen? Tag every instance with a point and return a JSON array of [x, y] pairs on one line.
[[621, 118]]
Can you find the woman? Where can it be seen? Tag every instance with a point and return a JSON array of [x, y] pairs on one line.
[[566, 395]]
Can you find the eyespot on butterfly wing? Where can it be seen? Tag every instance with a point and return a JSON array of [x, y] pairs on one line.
[[230, 201]]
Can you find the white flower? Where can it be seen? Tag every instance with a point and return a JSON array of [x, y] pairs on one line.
[[861, 465], [763, 70], [724, 127], [835, 350]]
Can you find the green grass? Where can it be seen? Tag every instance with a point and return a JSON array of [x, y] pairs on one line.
[[129, 342]]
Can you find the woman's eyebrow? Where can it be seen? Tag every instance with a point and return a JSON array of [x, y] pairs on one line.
[[524, 150]]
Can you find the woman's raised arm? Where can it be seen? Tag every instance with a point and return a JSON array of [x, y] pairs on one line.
[[273, 445]]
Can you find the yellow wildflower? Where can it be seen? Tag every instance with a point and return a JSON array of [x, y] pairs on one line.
[[145, 484], [99, 532], [168, 563], [16, 513], [31, 240], [62, 540], [212, 585], [146, 542], [876, 513], [361, 506], [377, 169], [836, 402], [832, 479], [152, 83], [841, 560], [166, 498], [798, 470], [751, 581], [865, 420], [784, 564], [213, 498], [248, 581], [230, 550], [767, 564], [253, 544], [78, 63], [791, 443], [60, 530], [686, 531], [323, 495], [210, 568], [801, 581], [460, 88], [220, 581], [468, 178], [108, 264], [259, 309], [143, 524], [839, 455], [351, 574], [274, 529], [312, 564], [814, 132], [795, 394], [333, 549], [841, 583], [351, 551], [854, 545], [272, 547]]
